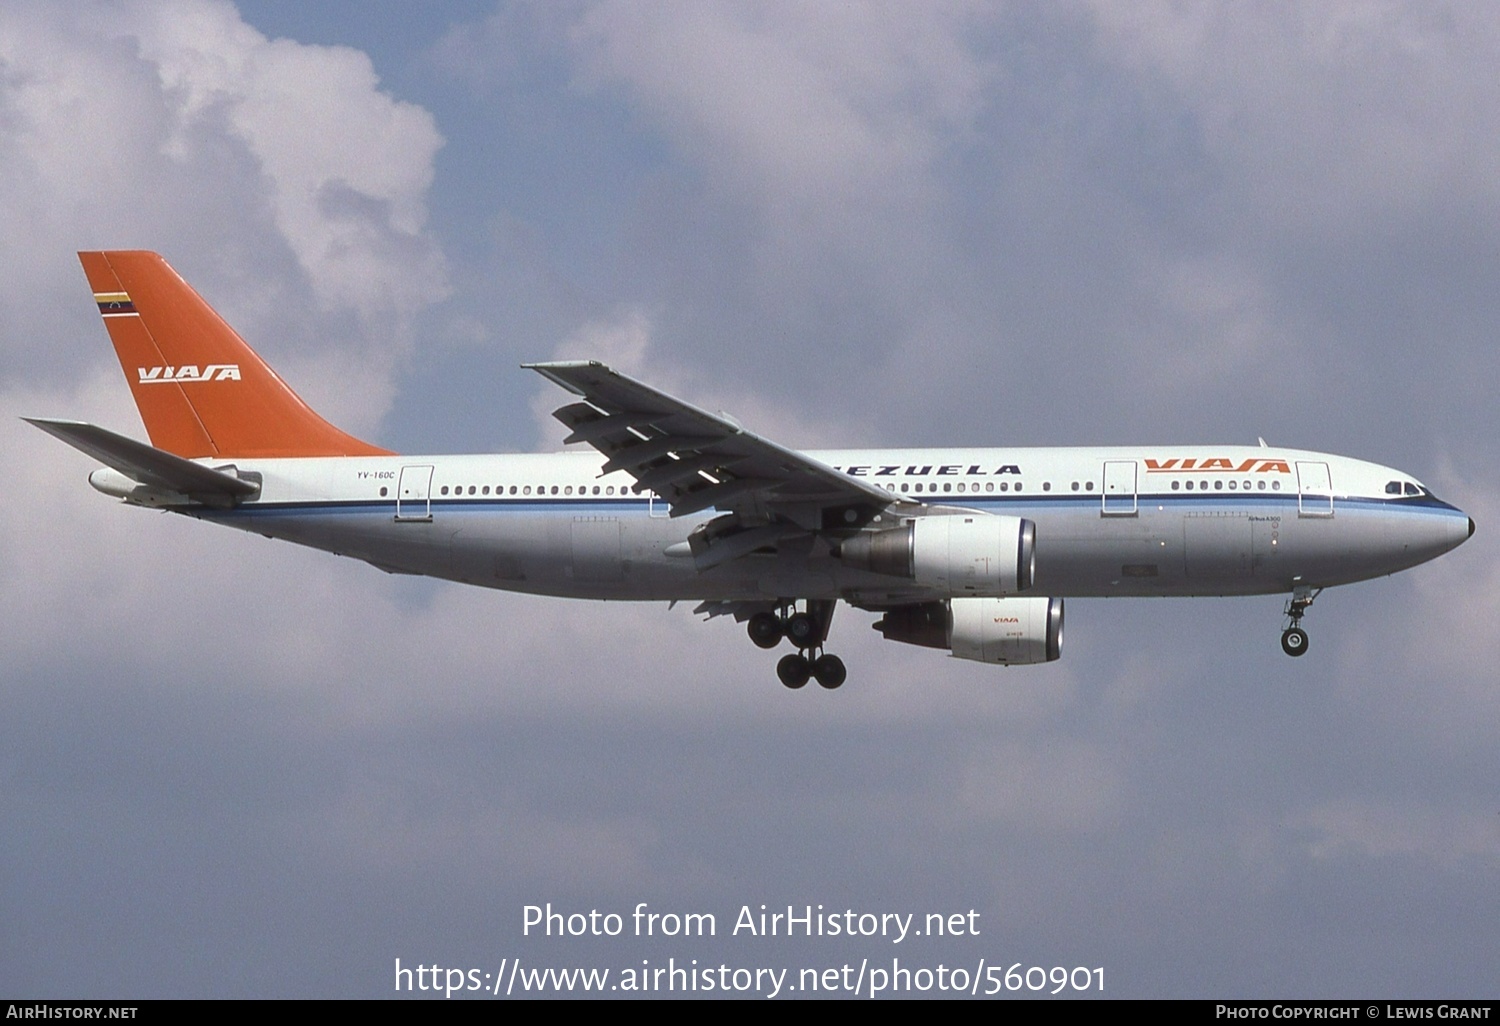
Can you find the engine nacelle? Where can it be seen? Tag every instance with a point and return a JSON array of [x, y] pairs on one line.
[[1007, 631], [965, 555]]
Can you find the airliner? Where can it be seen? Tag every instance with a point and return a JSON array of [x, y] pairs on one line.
[[972, 551]]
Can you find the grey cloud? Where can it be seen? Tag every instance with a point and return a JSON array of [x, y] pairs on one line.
[[234, 767]]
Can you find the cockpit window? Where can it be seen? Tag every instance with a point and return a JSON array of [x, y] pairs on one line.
[[1393, 488], [1412, 489]]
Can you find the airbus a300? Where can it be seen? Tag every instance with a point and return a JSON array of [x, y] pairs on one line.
[[972, 551]]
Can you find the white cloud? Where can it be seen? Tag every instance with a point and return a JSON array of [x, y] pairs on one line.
[[1323, 112], [346, 166], [276, 176], [815, 106]]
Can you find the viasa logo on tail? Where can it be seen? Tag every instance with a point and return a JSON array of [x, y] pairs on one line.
[[189, 372], [1255, 466]]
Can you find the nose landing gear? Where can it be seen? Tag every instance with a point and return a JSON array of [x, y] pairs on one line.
[[807, 630], [1294, 638]]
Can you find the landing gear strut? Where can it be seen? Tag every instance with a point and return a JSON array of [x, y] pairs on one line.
[[1294, 638], [807, 630]]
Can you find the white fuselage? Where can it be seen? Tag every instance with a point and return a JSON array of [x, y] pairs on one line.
[[1109, 522]]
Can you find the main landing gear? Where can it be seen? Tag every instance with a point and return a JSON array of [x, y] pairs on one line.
[[1294, 638], [807, 630]]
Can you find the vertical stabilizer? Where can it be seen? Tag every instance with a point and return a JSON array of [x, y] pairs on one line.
[[200, 389]]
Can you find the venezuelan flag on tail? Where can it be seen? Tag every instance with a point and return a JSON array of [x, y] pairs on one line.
[[201, 391]]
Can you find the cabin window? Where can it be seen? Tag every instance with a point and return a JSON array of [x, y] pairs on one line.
[[1232, 485], [382, 491], [1219, 485], [1075, 486], [1276, 486], [1176, 485], [1088, 486], [1046, 486]]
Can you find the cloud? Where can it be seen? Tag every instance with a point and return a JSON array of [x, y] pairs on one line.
[[276, 176], [1321, 113], [818, 108], [346, 167], [1414, 829], [868, 224]]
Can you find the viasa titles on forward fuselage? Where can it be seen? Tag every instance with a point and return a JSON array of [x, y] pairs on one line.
[[968, 550]]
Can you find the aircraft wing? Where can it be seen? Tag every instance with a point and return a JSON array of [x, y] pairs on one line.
[[149, 466], [696, 460]]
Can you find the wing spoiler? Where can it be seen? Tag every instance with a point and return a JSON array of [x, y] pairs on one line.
[[668, 445]]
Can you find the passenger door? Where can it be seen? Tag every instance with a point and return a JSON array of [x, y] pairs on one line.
[[1314, 490], [414, 494], [1119, 489]]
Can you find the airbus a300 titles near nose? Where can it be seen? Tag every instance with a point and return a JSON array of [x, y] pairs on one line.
[[968, 550]]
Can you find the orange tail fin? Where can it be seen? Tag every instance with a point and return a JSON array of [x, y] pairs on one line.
[[200, 389]]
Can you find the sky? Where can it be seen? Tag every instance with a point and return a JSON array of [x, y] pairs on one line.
[[230, 767]]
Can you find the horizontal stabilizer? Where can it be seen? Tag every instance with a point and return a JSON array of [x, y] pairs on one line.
[[154, 468]]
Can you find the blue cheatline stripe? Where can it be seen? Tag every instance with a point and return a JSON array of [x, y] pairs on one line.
[[1018, 504]]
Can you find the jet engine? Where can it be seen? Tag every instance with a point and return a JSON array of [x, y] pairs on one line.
[[1008, 631], [954, 555]]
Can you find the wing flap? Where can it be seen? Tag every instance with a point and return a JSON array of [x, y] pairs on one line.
[[696, 460]]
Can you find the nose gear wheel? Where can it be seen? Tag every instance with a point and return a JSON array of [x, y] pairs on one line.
[[1294, 638]]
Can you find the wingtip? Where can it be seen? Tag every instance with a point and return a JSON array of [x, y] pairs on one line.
[[556, 371], [546, 365], [47, 423]]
